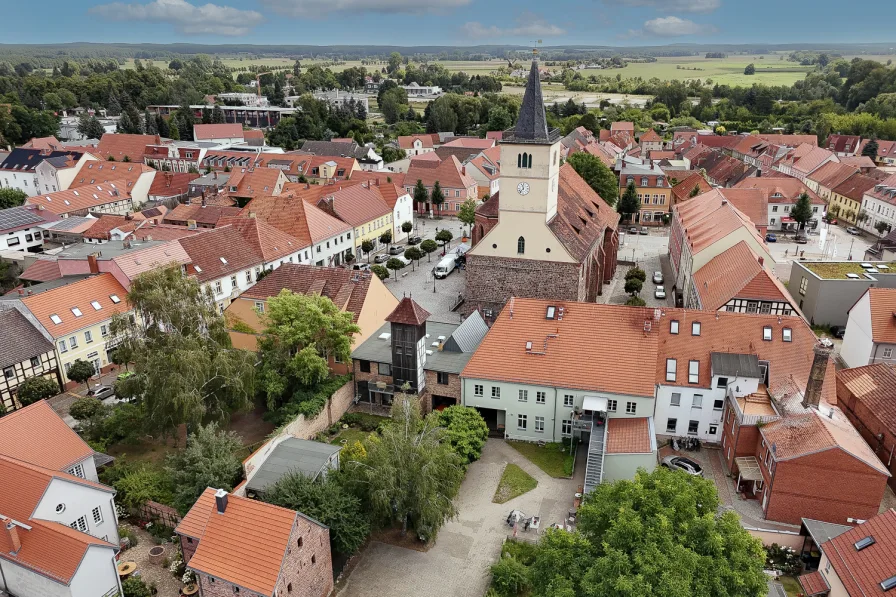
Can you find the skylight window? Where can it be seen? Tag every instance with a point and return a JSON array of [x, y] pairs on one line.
[[767, 333], [115, 298], [198, 269], [224, 261], [55, 319], [552, 311], [96, 305], [864, 542], [76, 311], [888, 584], [788, 335], [695, 328]]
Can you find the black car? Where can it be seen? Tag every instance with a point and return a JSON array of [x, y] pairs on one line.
[[838, 331], [414, 240], [801, 239], [395, 250], [633, 230]]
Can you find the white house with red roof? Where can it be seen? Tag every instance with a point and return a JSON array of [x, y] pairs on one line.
[[224, 134], [58, 525], [415, 144]]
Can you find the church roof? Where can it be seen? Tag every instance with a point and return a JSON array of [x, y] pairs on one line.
[[408, 312], [582, 215], [532, 124]]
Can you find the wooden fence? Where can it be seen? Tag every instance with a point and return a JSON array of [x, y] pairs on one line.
[[158, 514]]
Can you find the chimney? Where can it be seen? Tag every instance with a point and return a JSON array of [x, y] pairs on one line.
[[812, 395], [252, 215], [463, 169], [221, 501], [13, 533], [762, 261], [94, 266], [724, 202]]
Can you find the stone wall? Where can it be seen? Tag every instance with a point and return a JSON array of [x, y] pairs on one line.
[[307, 569], [451, 390]]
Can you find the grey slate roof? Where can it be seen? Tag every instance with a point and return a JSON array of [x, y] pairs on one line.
[[532, 124], [821, 531], [19, 340], [735, 365], [468, 336], [294, 454], [18, 217]]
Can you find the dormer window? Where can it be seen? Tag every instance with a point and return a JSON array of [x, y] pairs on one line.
[[644, 181]]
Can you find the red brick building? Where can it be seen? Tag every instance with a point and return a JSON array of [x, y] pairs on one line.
[[239, 546]]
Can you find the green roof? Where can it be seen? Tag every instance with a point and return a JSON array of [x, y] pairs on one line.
[[837, 270]]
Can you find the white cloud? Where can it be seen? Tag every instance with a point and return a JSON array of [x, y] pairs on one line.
[[673, 5], [673, 27], [537, 28], [323, 8], [186, 18]]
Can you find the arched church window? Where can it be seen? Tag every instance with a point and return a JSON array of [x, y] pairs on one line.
[[521, 245], [529, 164]]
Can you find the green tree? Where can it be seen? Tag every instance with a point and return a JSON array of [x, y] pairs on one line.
[[326, 500], [802, 210], [367, 247], [406, 227], [394, 62], [597, 175], [633, 286], [437, 197], [85, 408], [870, 149], [36, 388], [381, 272], [421, 195], [750, 70], [348, 256], [395, 264], [882, 227], [10, 197], [429, 246], [636, 272], [467, 213], [386, 237], [628, 204], [467, 431], [135, 587], [209, 460], [510, 577], [635, 301], [444, 236], [81, 371], [694, 192], [499, 119], [411, 472], [138, 485], [302, 330], [413, 254], [186, 369]]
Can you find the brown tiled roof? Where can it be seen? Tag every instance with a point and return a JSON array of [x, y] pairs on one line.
[[408, 312], [490, 207], [78, 295], [270, 242], [407, 141], [843, 143], [855, 187], [582, 215], [37, 435], [344, 287], [209, 214], [801, 435], [832, 174], [568, 352], [650, 135], [628, 436], [42, 270], [858, 161], [170, 184], [259, 182], [814, 584], [709, 217], [219, 252], [163, 232], [447, 172], [82, 198], [390, 192], [812, 160], [602, 153], [735, 273], [21, 340], [300, 219], [245, 545], [862, 572], [682, 191], [875, 387], [751, 202], [120, 145], [356, 205], [461, 152], [134, 263], [622, 125], [217, 131], [471, 143], [383, 177], [50, 143], [104, 225], [883, 320], [124, 175], [789, 140], [788, 187]]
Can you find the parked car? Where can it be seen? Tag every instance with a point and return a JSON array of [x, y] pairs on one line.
[[361, 266], [771, 238], [680, 463], [853, 230], [838, 331], [124, 375], [643, 230], [831, 221], [414, 240], [657, 277], [396, 250], [633, 230], [445, 266], [383, 258], [101, 392], [660, 292], [801, 239]]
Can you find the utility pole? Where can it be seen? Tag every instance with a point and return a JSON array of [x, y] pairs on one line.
[[850, 248]]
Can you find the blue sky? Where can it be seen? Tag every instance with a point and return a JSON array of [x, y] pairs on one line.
[[449, 22]]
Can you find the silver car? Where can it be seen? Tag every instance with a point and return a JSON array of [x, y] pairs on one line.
[[680, 463], [657, 277], [660, 292]]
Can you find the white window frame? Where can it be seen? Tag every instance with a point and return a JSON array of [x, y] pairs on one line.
[[674, 427], [80, 524], [523, 396], [673, 326], [787, 335], [77, 471], [767, 333], [569, 400], [541, 397], [888, 353], [478, 389], [496, 392], [612, 405], [97, 513], [693, 371], [671, 369], [539, 424], [522, 422], [675, 400], [695, 328], [697, 401], [566, 427]]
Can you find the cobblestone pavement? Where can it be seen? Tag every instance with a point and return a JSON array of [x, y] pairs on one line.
[[458, 564], [651, 254]]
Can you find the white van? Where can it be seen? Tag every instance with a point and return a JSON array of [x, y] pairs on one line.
[[444, 267]]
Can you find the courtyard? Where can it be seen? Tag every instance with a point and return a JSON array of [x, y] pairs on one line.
[[458, 564]]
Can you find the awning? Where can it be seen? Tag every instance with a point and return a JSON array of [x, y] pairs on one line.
[[596, 403], [748, 468]]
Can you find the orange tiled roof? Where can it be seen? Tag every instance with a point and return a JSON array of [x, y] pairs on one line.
[[735, 273], [783, 189], [875, 387], [628, 436], [37, 435], [82, 198], [163, 232], [883, 320], [448, 172], [832, 174], [709, 217], [789, 140], [81, 296], [94, 172], [49, 143], [170, 184], [356, 205], [255, 183], [471, 143], [245, 545], [209, 214], [407, 141], [217, 131], [300, 219], [119, 145], [266, 240], [567, 352], [650, 136], [683, 189], [752, 202], [135, 263], [861, 572], [622, 125]]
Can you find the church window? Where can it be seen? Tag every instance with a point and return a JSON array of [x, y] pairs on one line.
[[529, 164], [524, 160], [521, 245]]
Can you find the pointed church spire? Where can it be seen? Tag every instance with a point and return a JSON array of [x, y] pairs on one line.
[[532, 124]]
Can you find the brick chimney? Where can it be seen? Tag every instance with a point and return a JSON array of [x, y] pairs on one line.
[[13, 534], [92, 263], [762, 261], [221, 501], [812, 395]]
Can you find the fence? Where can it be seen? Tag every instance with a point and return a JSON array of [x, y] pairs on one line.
[[159, 514], [790, 539]]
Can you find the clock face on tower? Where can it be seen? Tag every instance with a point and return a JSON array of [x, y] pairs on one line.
[[523, 188]]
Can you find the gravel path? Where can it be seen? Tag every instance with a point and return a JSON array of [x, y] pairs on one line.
[[167, 585]]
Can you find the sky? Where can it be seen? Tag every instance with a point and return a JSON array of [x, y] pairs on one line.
[[449, 22]]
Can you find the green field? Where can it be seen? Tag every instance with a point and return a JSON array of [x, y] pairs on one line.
[[770, 70]]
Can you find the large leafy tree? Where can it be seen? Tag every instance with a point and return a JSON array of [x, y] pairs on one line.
[[326, 500], [186, 368], [10, 197], [36, 388], [421, 196], [209, 460], [597, 175], [802, 210], [659, 534], [628, 204], [467, 431], [467, 213], [437, 197], [302, 331], [411, 472], [80, 371]]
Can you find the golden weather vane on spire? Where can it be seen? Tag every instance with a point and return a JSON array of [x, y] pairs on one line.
[[535, 45]]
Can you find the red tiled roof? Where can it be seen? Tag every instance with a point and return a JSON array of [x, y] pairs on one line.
[[843, 143], [787, 188], [42, 270], [163, 232], [855, 187], [862, 572], [883, 320], [94, 172], [266, 240], [217, 131], [628, 436], [407, 141], [789, 140], [489, 207], [875, 387], [82, 198], [650, 136], [408, 312], [136, 262], [471, 143], [682, 191], [219, 252], [832, 174], [447, 172], [582, 217], [120, 145], [104, 225], [37, 435], [296, 217], [171, 184], [750, 201], [254, 183], [49, 143], [735, 273], [79, 295], [814, 584], [709, 217], [809, 162], [622, 125], [356, 205], [201, 214], [858, 161]]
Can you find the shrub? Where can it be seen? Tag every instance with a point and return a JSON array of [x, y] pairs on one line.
[[510, 577], [467, 431], [135, 587], [81, 371], [522, 551], [36, 388], [381, 272], [141, 485], [307, 401], [85, 408], [635, 301], [636, 272], [125, 532]]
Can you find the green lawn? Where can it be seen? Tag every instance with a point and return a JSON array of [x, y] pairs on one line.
[[350, 435], [514, 483], [791, 586], [553, 459]]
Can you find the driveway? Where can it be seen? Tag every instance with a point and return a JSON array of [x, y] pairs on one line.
[[458, 564]]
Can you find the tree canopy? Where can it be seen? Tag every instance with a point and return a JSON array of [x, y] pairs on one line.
[[36, 388], [597, 175], [629, 204], [802, 210], [209, 460]]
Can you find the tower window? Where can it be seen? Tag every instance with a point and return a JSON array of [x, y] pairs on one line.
[[524, 160], [521, 245]]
